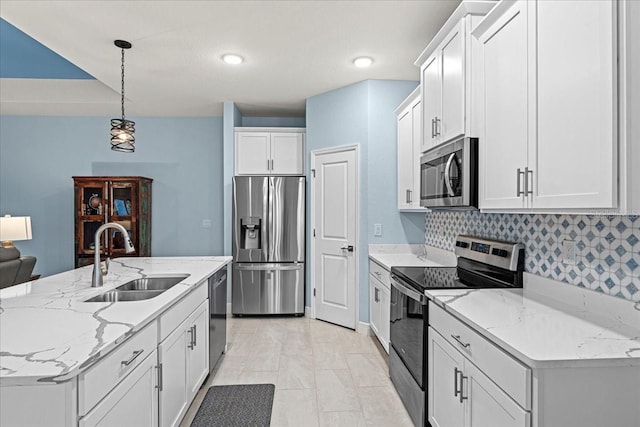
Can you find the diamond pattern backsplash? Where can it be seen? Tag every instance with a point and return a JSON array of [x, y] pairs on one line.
[[607, 247]]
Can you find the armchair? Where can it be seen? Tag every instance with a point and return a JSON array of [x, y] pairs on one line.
[[14, 269]]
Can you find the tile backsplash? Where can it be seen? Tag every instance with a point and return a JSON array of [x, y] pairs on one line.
[[607, 248]]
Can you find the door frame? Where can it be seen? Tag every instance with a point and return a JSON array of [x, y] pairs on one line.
[[312, 269]]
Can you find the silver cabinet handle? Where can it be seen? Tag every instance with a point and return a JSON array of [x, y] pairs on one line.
[[518, 191], [159, 369], [191, 334], [132, 358], [271, 164], [375, 295], [456, 390], [433, 132], [195, 335], [447, 175], [268, 164], [377, 273], [408, 196], [437, 133], [528, 191], [459, 341]]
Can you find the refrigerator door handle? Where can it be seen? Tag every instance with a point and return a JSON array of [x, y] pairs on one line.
[[268, 267], [270, 222]]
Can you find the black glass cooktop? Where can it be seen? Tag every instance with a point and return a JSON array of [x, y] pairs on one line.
[[468, 274]]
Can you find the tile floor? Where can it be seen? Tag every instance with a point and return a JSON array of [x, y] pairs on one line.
[[325, 375]]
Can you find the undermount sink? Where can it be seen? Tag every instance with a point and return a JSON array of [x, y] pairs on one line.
[[139, 289], [152, 283], [115, 296]]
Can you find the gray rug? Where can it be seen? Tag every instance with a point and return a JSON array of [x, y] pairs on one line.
[[235, 406]]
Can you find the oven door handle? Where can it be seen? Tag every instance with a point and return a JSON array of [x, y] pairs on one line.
[[447, 175], [414, 295]]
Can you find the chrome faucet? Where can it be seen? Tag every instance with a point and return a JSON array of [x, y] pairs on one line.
[[98, 271]]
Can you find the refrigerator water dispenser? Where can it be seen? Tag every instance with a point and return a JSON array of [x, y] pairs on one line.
[[250, 229]]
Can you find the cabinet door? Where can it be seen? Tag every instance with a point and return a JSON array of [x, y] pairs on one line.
[[384, 307], [445, 366], [374, 306], [574, 162], [504, 69], [197, 348], [133, 402], [416, 121], [405, 159], [488, 405], [431, 101], [173, 392], [452, 63], [287, 154], [252, 155]]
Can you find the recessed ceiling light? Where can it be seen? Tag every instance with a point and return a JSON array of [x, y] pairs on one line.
[[362, 61], [233, 59]]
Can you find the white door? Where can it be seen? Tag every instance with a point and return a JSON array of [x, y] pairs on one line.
[[173, 390], [252, 155], [431, 101], [287, 153], [197, 349], [505, 103], [335, 195], [452, 69]]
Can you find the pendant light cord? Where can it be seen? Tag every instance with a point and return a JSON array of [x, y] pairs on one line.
[[122, 81]]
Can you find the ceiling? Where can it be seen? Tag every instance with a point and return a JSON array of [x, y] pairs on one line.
[[293, 50]]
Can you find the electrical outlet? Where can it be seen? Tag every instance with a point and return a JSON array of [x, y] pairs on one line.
[[377, 230], [569, 251], [206, 223]]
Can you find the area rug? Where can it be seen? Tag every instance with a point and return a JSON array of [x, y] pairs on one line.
[[235, 406]]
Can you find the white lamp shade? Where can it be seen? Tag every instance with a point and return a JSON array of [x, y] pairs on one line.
[[15, 228]]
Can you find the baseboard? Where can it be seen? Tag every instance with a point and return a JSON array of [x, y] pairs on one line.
[[364, 329], [228, 309], [307, 312]]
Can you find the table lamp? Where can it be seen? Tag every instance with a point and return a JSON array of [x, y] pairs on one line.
[[14, 228]]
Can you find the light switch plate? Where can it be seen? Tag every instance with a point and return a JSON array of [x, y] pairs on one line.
[[569, 252], [377, 230]]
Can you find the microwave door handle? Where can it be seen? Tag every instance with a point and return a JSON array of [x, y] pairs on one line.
[[447, 176]]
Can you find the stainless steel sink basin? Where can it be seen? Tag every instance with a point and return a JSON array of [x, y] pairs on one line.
[[152, 283], [115, 296]]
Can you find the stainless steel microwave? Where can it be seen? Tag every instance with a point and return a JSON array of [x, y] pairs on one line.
[[449, 175]]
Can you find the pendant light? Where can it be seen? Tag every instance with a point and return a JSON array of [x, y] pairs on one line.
[[123, 131]]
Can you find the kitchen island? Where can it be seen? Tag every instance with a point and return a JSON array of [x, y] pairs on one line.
[[56, 349]]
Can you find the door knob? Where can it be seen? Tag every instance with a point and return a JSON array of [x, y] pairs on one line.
[[348, 248]]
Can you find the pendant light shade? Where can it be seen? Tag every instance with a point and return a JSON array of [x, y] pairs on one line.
[[123, 132]]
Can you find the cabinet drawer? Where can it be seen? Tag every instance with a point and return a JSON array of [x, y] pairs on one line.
[[177, 314], [108, 372], [380, 273], [509, 374]]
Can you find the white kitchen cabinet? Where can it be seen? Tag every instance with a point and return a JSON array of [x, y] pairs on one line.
[[446, 77], [379, 303], [133, 402], [184, 364], [269, 151], [409, 125], [198, 349], [461, 395], [548, 134]]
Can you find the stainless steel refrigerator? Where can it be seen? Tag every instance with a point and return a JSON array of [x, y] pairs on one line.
[[268, 245]]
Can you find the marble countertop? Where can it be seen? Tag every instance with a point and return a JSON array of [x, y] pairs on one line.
[[411, 256], [547, 325], [48, 334]]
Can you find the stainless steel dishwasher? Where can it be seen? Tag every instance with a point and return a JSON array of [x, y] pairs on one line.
[[217, 316]]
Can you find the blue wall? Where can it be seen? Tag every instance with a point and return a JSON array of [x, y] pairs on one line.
[[285, 122], [362, 114], [39, 155]]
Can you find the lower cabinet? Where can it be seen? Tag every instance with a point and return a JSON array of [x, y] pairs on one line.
[[379, 306], [462, 395], [133, 402], [183, 361]]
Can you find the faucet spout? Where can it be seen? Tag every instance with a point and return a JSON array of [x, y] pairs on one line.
[[98, 273]]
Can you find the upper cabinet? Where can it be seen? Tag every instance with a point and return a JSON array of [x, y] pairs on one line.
[[269, 151], [446, 77], [409, 120], [548, 105]]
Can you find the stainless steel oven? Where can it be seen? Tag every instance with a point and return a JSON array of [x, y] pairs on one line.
[[449, 175], [408, 330]]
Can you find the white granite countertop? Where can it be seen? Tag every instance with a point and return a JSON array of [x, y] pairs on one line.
[[48, 334], [411, 256], [551, 324]]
